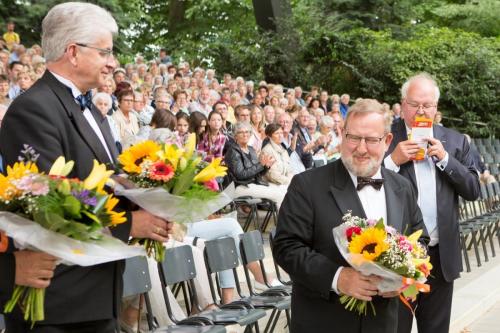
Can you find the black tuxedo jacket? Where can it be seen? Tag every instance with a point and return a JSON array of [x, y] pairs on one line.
[[47, 118], [304, 246], [459, 178]]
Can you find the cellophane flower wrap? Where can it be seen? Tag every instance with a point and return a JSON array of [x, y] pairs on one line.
[[173, 183], [371, 247], [64, 217]]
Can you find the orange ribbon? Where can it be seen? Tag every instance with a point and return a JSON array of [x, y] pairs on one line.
[[421, 287], [4, 242]]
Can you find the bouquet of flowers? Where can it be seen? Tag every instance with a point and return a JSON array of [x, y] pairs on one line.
[[64, 217], [173, 183], [371, 247]]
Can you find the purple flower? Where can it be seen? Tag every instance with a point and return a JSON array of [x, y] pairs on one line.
[[85, 198]]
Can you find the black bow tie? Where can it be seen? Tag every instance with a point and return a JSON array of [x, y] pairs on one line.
[[375, 183], [85, 101]]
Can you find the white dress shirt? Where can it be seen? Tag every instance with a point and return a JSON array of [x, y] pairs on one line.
[[374, 206], [86, 113]]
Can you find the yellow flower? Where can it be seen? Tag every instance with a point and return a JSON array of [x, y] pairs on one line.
[[97, 177], [172, 154], [60, 167], [116, 218], [214, 169], [370, 243], [132, 158], [7, 190], [190, 146], [20, 169]]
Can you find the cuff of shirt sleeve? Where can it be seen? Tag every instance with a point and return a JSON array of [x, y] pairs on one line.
[[443, 163], [335, 280], [389, 164]]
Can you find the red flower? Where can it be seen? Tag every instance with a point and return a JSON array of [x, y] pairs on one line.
[[212, 185], [352, 231], [161, 171]]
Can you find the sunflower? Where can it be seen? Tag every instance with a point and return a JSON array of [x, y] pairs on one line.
[[115, 217], [20, 169], [7, 190], [370, 243], [132, 158]]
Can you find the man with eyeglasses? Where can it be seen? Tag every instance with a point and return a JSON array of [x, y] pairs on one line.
[[315, 203], [446, 172], [56, 117]]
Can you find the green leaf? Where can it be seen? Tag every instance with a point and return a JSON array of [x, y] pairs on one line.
[[72, 206]]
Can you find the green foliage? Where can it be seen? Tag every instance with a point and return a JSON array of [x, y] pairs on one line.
[[375, 64]]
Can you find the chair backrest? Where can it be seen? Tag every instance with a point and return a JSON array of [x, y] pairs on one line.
[[2, 323], [221, 254], [252, 246], [136, 279], [178, 265]]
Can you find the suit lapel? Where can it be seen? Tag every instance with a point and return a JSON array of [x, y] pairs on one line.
[[81, 124], [441, 136], [394, 208], [344, 193], [103, 124], [409, 167]]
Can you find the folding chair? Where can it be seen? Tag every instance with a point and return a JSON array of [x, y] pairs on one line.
[[178, 267], [277, 268], [271, 212], [220, 255], [136, 281], [252, 250]]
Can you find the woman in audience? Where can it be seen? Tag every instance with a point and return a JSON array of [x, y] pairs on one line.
[[280, 172], [258, 130], [161, 129], [182, 128], [4, 92], [213, 141], [246, 170], [198, 125], [126, 121]]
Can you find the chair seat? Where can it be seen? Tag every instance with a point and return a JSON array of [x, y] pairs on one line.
[[267, 302], [191, 329], [241, 317]]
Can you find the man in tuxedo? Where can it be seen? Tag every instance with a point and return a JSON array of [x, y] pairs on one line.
[[56, 117], [446, 172], [315, 203]]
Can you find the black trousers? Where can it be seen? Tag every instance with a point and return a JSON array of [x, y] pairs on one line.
[[98, 326], [433, 309]]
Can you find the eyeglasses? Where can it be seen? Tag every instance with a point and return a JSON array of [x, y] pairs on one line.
[[417, 106], [356, 140], [103, 52], [243, 132], [127, 100]]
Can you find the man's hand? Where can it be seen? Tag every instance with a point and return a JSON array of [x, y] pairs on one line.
[[34, 269], [404, 152], [146, 225], [355, 284], [436, 149]]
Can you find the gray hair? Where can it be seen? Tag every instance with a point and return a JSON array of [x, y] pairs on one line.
[[421, 76], [242, 125], [74, 22], [366, 106], [102, 96], [326, 121]]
